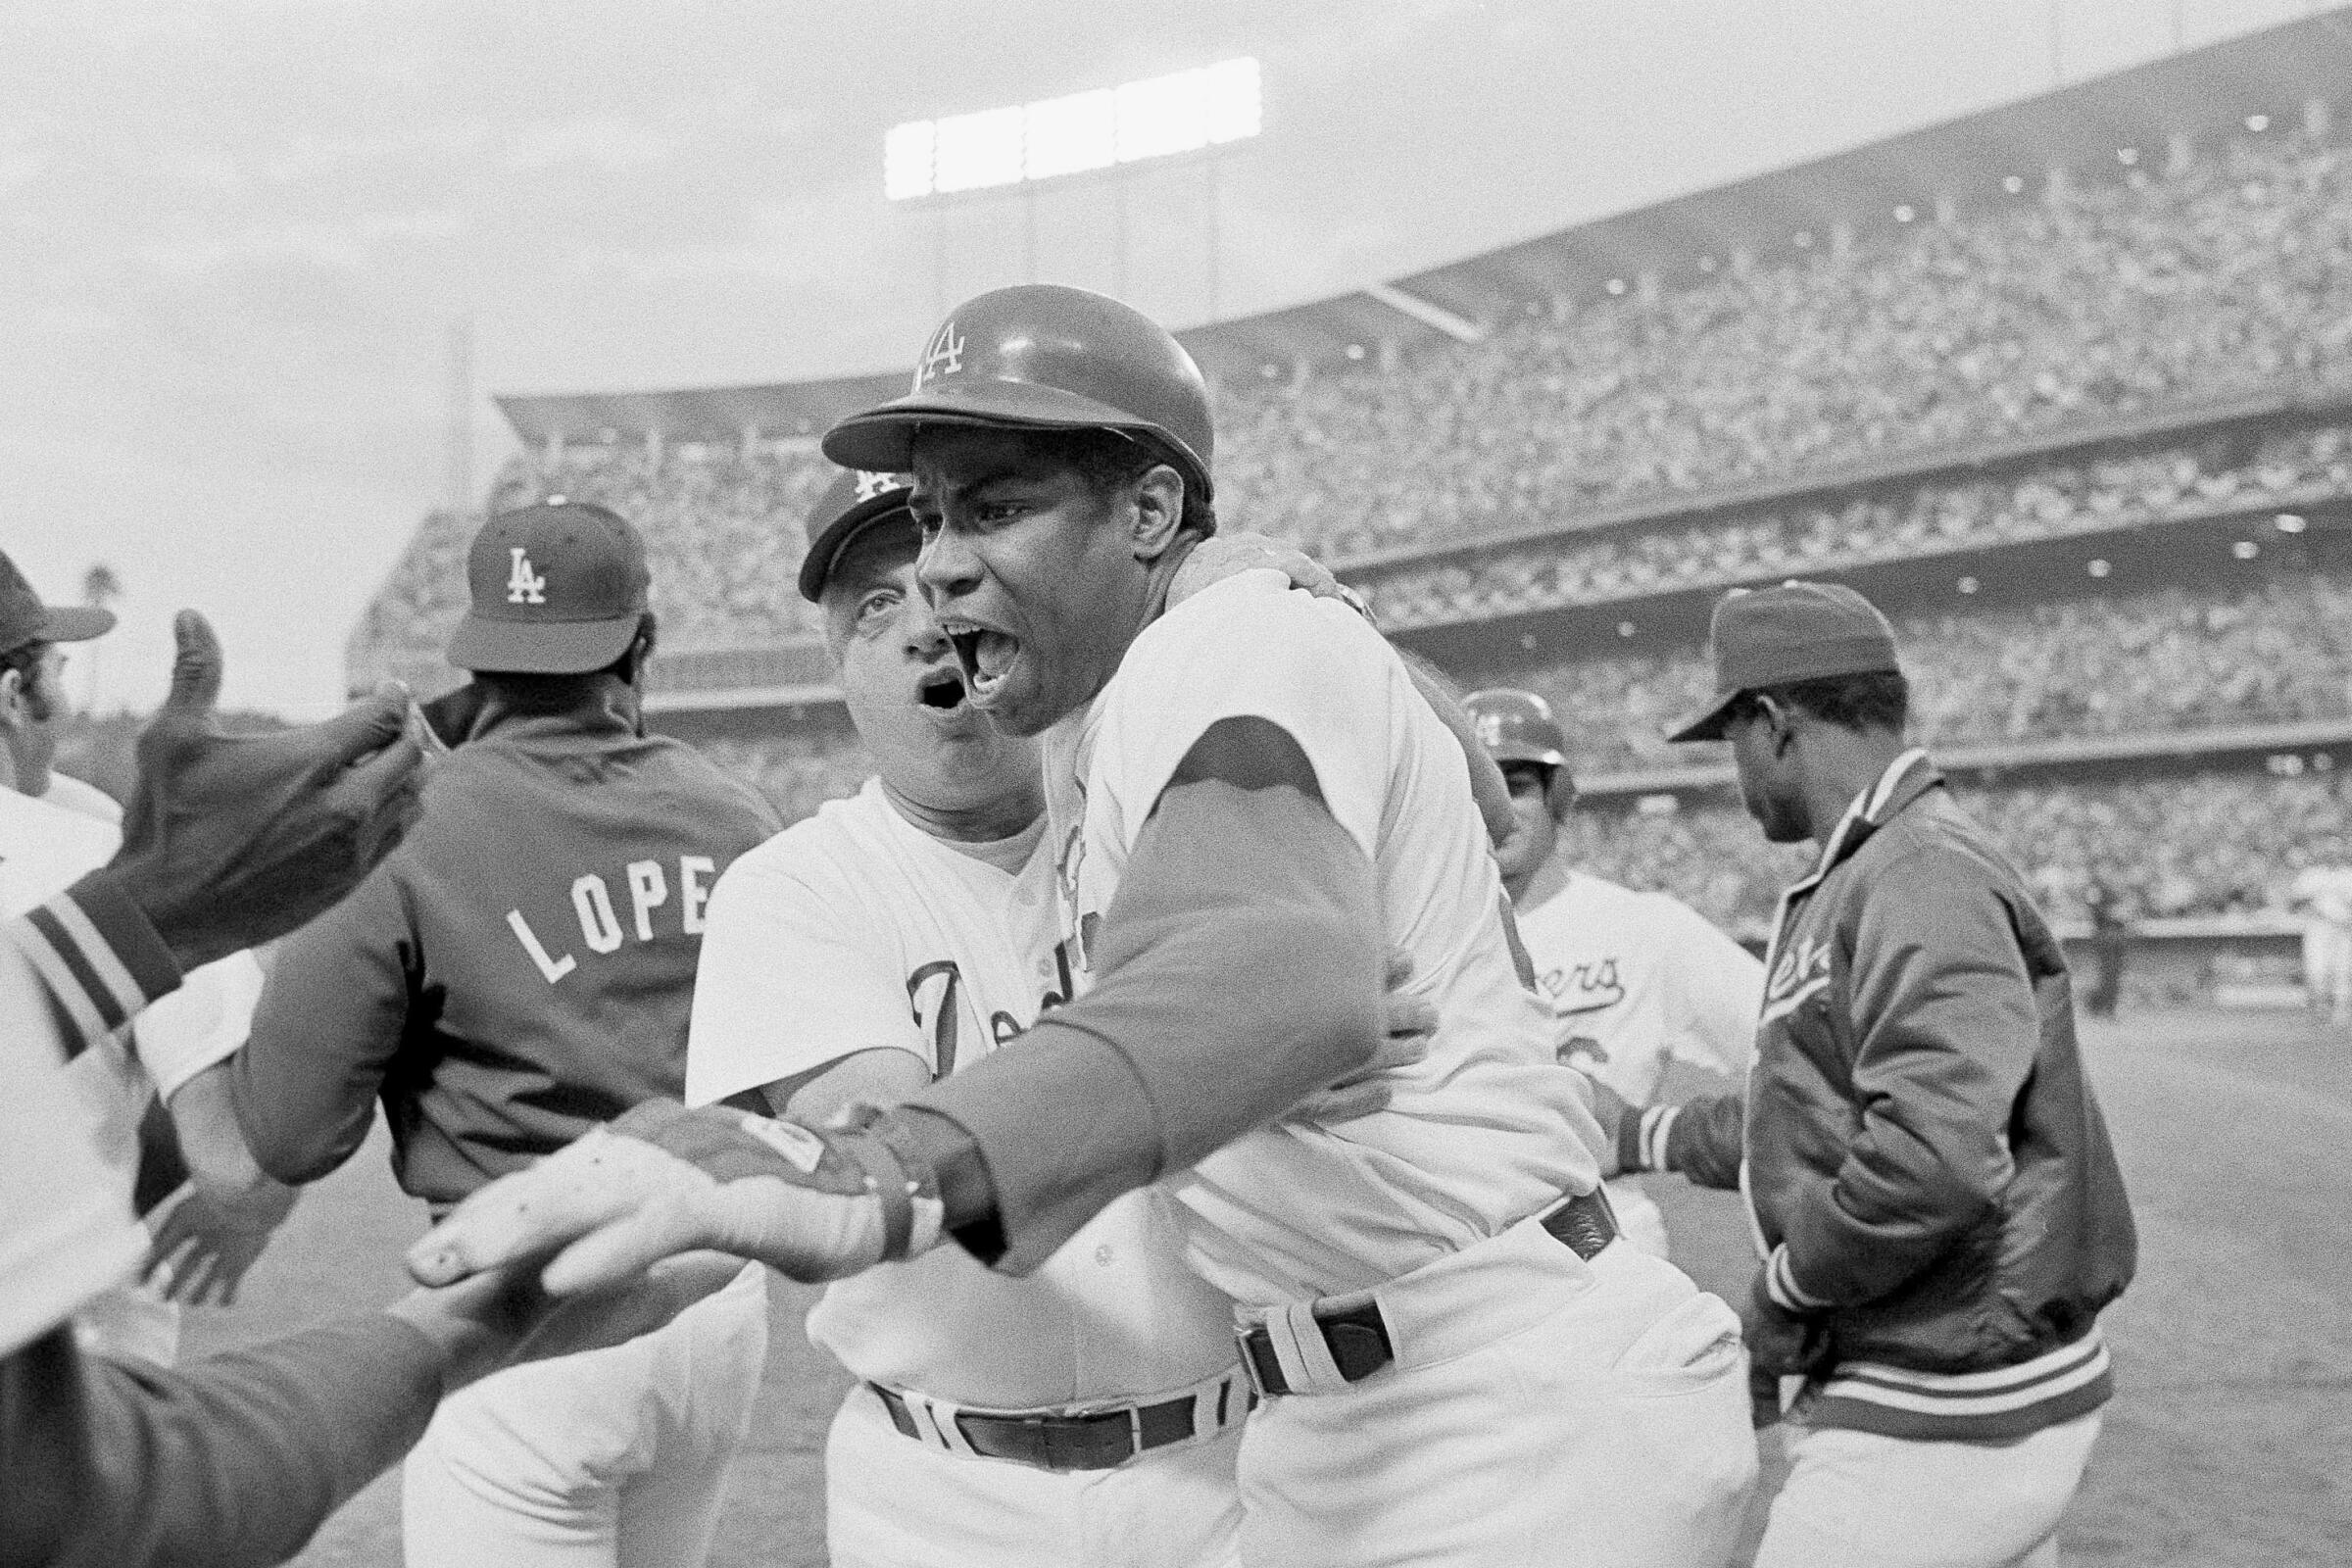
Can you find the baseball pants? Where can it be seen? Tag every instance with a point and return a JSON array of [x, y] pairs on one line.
[[893, 1502], [2328, 968], [1541, 1410], [1640, 1220], [612, 1458], [1856, 1499]]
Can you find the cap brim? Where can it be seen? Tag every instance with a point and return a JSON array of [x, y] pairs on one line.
[[817, 565], [1709, 725], [881, 440], [75, 623], [540, 647]]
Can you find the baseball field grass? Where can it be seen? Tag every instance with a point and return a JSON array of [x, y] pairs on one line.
[[2229, 1443]]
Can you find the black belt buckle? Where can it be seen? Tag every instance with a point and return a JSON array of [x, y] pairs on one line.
[[1584, 1224], [1357, 1337]]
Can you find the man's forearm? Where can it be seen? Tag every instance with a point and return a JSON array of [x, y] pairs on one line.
[[233, 1460], [1703, 1139], [1240, 967]]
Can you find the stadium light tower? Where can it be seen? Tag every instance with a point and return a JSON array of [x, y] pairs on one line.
[[1160, 117], [1019, 149]]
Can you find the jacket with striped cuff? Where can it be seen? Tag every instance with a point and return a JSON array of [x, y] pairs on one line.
[[100, 958], [1926, 1163]]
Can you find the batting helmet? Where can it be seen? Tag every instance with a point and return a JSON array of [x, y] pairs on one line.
[[1042, 356], [853, 503], [1517, 727]]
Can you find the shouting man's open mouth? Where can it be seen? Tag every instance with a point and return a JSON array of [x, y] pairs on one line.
[[941, 689], [985, 653]]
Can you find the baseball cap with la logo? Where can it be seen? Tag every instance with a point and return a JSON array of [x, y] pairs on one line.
[[559, 589]]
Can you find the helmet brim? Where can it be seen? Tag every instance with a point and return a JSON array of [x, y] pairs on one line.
[[817, 565], [881, 439]]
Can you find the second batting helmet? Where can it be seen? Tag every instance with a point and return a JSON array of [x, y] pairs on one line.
[[1517, 727], [1042, 356], [853, 503]]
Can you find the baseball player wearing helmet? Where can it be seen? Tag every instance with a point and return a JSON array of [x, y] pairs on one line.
[[1635, 980], [1087, 1413], [1250, 806], [519, 970]]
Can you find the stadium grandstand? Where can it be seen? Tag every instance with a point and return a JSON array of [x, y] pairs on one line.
[[2066, 386]]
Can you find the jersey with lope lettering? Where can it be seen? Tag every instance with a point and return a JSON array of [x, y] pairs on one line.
[[517, 971], [854, 931], [1485, 1130]]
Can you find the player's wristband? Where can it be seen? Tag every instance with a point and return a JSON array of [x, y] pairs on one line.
[[1642, 1139], [901, 1171], [845, 1161]]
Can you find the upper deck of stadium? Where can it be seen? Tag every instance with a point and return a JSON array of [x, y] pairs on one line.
[[2151, 116]]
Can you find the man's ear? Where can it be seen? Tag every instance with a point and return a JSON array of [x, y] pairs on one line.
[[1158, 513], [1780, 721]]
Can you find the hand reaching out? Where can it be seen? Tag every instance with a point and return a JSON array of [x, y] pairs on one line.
[[231, 839]]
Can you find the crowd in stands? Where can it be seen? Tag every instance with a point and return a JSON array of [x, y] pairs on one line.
[[2206, 844], [2095, 300], [1948, 514], [2100, 299], [797, 769], [2274, 650], [723, 538]]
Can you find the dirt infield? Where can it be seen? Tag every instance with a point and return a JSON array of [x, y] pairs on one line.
[[2226, 1443]]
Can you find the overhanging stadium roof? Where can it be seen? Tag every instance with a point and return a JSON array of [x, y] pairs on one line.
[[2081, 127]]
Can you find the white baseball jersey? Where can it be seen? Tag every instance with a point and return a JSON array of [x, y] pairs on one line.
[[854, 930], [1638, 980], [46, 848], [1485, 1130]]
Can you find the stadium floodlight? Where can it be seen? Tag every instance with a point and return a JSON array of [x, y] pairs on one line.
[[977, 151], [1160, 117], [1071, 135], [906, 155]]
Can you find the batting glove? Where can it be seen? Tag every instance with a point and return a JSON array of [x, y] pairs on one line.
[[812, 1203]]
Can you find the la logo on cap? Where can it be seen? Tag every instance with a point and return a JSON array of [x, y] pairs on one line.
[[525, 586], [944, 356]]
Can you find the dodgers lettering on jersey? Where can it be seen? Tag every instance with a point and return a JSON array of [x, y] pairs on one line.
[[856, 931], [1638, 980], [1487, 1130]]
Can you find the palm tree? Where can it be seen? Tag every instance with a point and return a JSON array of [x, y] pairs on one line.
[[100, 587]]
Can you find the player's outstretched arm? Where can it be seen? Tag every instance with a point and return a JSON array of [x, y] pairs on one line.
[[1240, 967], [664, 1180], [236, 1459]]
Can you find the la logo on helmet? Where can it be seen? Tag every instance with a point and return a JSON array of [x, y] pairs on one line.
[[944, 356], [523, 585], [869, 485]]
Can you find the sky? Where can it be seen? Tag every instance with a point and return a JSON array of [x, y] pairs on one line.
[[235, 235]]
